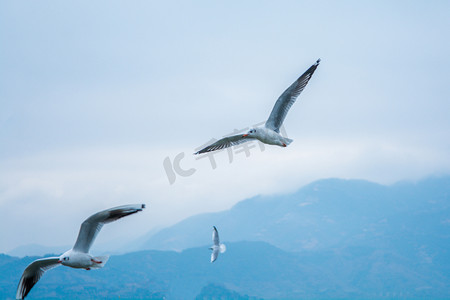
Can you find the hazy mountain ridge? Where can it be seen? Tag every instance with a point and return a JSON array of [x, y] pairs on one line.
[[246, 270], [346, 239], [326, 213], [36, 250]]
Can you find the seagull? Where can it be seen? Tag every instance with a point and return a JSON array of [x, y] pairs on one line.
[[270, 133], [78, 257], [217, 247]]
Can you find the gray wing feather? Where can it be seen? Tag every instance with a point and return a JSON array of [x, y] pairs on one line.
[[214, 255], [33, 273], [287, 99], [92, 225], [215, 236], [225, 143]]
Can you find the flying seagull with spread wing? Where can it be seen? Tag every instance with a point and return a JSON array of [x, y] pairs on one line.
[[217, 246], [270, 133], [78, 257]]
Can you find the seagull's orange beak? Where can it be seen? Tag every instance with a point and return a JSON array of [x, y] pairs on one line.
[[59, 261], [245, 135]]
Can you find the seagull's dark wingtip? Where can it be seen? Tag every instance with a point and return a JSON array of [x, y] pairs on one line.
[[318, 61]]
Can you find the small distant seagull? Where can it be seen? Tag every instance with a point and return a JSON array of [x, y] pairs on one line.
[[77, 257], [270, 133], [217, 247]]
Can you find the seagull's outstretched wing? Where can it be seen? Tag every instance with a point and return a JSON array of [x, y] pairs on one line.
[[215, 236], [33, 273], [92, 225], [214, 255], [288, 98], [225, 143]]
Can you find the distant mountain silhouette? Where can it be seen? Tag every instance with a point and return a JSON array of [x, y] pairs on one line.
[[326, 214], [248, 270], [331, 239], [36, 250]]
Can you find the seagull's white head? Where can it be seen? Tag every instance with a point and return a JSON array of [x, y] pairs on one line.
[[253, 132], [64, 258]]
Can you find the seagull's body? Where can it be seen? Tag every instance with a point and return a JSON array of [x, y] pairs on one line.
[[78, 257], [270, 133], [270, 136], [217, 247], [80, 260]]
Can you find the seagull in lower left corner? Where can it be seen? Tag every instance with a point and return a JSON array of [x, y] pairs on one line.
[[78, 257]]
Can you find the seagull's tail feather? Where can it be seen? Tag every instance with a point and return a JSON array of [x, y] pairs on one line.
[[287, 141], [103, 260], [222, 248]]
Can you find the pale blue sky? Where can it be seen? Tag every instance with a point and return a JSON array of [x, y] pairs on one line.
[[95, 95]]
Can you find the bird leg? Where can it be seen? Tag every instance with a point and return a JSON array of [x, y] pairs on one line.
[[96, 261]]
